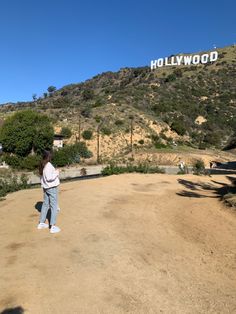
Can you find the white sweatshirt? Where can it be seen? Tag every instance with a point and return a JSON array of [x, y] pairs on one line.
[[50, 177]]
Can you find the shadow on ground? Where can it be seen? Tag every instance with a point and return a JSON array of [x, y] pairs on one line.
[[38, 207], [16, 310], [197, 190]]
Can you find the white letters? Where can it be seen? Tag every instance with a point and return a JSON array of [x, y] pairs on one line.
[[185, 60], [172, 61], [179, 59], [213, 56], [196, 59], [166, 62], [153, 64], [160, 62], [204, 58]]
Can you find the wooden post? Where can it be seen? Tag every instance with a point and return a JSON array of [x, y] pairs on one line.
[[79, 128], [131, 136]]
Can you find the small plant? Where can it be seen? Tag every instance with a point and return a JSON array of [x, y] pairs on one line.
[[119, 122], [66, 132], [106, 131], [199, 167], [87, 134], [98, 118]]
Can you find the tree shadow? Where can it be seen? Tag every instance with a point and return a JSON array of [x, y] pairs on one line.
[[38, 207], [16, 310], [197, 189]]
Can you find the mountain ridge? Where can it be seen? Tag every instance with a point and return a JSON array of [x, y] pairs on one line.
[[173, 98]]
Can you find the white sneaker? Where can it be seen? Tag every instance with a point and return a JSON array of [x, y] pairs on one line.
[[42, 225], [55, 229]]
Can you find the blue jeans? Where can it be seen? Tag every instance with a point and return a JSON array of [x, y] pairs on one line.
[[50, 201]]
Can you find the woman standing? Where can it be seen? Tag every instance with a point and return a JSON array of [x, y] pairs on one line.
[[49, 178]]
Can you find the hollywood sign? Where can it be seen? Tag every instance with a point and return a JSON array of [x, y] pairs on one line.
[[185, 60]]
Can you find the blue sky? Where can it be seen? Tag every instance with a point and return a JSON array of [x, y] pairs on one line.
[[48, 42]]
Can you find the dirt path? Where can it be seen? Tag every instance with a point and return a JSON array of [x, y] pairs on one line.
[[129, 244]]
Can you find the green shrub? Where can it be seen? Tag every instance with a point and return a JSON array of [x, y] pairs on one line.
[[66, 132], [119, 122], [88, 94], [199, 167], [12, 183], [71, 154], [87, 134], [178, 127], [61, 158], [13, 161], [170, 78], [86, 112], [130, 168], [105, 130], [141, 142], [160, 145], [98, 118], [30, 162]]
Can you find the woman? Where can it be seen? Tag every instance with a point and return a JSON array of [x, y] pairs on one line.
[[49, 178]]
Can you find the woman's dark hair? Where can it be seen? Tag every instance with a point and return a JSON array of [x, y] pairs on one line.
[[47, 157]]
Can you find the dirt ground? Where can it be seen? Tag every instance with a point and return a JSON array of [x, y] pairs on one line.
[[129, 244]]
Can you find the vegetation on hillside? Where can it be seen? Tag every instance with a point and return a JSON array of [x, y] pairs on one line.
[[176, 96]]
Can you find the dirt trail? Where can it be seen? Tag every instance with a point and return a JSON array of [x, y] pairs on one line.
[[129, 244]]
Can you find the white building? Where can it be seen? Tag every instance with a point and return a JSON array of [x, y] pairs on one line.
[[58, 141]]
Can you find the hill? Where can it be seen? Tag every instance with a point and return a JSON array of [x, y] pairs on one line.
[[193, 105]]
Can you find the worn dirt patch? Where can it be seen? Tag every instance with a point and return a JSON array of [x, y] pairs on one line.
[[129, 244]]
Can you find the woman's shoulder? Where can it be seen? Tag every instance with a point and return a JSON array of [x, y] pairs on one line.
[[49, 165]]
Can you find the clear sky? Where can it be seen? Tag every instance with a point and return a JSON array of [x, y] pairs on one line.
[[49, 42]]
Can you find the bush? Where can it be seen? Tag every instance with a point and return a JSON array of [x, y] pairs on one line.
[[88, 94], [129, 168], [13, 161], [199, 167], [170, 78], [86, 112], [12, 183], [71, 154], [61, 158], [106, 131], [141, 142], [178, 127], [87, 134], [30, 162], [160, 145], [66, 132], [119, 122]]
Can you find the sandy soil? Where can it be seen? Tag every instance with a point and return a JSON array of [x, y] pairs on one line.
[[129, 244]]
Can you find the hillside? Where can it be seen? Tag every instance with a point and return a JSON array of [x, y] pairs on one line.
[[191, 105]]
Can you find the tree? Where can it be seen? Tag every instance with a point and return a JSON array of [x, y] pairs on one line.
[[51, 90], [26, 131], [34, 96]]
